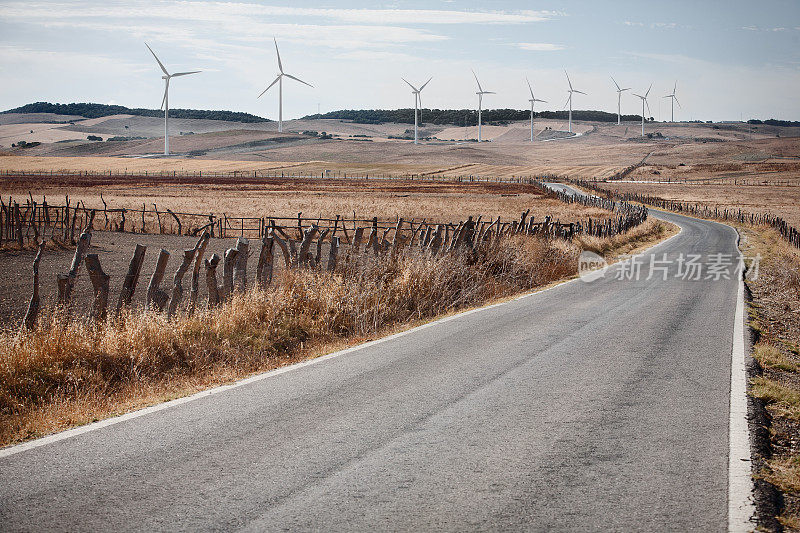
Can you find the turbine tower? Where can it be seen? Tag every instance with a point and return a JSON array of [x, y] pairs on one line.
[[279, 81], [644, 101], [165, 101], [571, 90], [619, 99], [480, 94], [417, 104], [673, 99], [533, 101]]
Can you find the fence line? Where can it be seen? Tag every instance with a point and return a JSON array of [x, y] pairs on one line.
[[696, 209], [278, 243]]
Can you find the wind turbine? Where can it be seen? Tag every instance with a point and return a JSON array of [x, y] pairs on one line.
[[417, 104], [533, 101], [279, 81], [619, 99], [165, 101], [644, 101], [674, 99], [480, 94], [571, 90]]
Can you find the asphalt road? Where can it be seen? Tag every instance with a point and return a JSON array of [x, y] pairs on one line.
[[599, 405]]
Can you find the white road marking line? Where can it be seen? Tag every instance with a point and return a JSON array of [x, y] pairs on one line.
[[741, 507]]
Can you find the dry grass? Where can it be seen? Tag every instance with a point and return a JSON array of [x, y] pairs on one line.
[[642, 235], [785, 400], [70, 372], [775, 318], [769, 356]]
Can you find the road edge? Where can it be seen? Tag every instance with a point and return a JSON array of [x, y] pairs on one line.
[[741, 489]]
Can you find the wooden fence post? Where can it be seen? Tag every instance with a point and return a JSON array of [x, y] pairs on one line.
[[100, 281], [318, 256], [332, 254], [265, 259], [211, 280], [131, 278], [308, 237], [227, 273], [177, 280], [66, 282], [156, 296], [194, 291], [240, 267], [33, 306]]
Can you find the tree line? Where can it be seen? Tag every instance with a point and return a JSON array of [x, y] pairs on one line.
[[89, 110], [462, 117]]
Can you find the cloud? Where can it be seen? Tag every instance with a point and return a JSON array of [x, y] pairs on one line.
[[540, 47], [756, 28], [653, 25], [214, 11]]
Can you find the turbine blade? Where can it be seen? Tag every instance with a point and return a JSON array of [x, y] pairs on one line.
[[270, 86], [476, 81], [409, 84], [426, 83], [297, 79], [184, 73], [648, 90], [570, 83], [579, 92], [537, 100], [565, 103], [530, 88], [280, 66], [648, 106], [675, 87], [160, 64], [638, 95], [166, 90], [625, 89], [677, 102], [615, 83], [489, 92]]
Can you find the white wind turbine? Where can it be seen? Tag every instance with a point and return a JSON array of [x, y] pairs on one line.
[[417, 104], [619, 99], [644, 101], [279, 81], [674, 99], [480, 94], [533, 101], [165, 101], [569, 99]]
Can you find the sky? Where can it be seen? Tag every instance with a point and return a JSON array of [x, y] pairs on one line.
[[731, 60]]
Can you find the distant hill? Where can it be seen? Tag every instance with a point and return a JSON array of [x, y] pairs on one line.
[[102, 110], [461, 117], [775, 122]]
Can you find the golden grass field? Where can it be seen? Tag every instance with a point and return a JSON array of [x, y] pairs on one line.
[[442, 201]]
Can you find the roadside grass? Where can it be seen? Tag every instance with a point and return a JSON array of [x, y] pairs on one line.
[[70, 372], [769, 356], [774, 317]]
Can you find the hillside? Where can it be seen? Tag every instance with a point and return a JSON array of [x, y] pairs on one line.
[[89, 110], [462, 117]]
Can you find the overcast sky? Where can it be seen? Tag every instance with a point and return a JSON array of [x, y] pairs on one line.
[[731, 59]]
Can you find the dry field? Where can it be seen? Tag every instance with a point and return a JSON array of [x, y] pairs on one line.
[[442, 201]]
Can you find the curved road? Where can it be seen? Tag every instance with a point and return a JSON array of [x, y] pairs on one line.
[[599, 405]]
